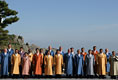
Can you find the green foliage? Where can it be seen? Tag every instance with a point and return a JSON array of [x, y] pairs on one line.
[[7, 16]]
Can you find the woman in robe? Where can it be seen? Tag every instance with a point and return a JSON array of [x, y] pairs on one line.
[[26, 65], [114, 65], [58, 62], [90, 62], [37, 62], [48, 62], [79, 63], [15, 61]]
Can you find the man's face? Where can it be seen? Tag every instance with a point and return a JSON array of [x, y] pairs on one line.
[[58, 52], [101, 50], [5, 50], [9, 46], [72, 50], [106, 50], [69, 50], [37, 51], [82, 49], [60, 48], [50, 48], [78, 51], [94, 48], [90, 51], [113, 53], [16, 51]]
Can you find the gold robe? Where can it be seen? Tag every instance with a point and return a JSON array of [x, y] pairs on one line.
[[31, 57], [58, 62], [48, 62], [15, 61], [101, 61]]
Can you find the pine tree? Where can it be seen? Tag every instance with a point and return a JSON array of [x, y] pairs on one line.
[[7, 16]]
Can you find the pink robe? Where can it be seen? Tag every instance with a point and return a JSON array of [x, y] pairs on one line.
[[26, 66]]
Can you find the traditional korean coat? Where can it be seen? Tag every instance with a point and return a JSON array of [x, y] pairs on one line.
[[69, 63], [31, 60], [58, 62], [37, 62], [95, 66], [101, 61], [48, 62], [15, 61], [26, 65], [79, 62], [90, 62], [10, 52], [114, 65], [4, 63], [108, 64]]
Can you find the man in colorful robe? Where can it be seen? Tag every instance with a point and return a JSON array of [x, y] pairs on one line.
[[79, 64], [90, 62], [84, 55], [4, 56], [48, 62], [37, 62], [16, 62], [101, 61], [58, 62], [108, 64], [69, 63], [10, 52], [95, 52], [113, 65]]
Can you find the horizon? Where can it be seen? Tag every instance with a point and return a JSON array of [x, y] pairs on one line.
[[67, 23]]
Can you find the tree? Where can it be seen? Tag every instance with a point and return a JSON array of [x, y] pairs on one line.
[[7, 16]]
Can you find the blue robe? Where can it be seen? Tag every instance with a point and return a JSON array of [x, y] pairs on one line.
[[69, 64], [9, 60], [79, 63], [90, 62], [108, 64], [4, 64]]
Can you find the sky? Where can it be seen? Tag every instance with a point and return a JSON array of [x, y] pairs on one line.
[[67, 23]]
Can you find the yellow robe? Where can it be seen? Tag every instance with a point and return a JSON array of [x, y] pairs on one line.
[[48, 62], [15, 61], [101, 61], [58, 62], [31, 56]]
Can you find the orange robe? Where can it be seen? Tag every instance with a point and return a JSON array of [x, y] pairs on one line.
[[37, 62], [95, 53], [84, 55]]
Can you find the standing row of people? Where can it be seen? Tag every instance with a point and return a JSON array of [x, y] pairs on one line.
[[19, 63]]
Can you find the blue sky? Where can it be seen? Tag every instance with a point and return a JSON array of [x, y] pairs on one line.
[[77, 23]]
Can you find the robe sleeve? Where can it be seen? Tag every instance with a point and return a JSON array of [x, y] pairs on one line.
[[105, 60], [97, 59], [45, 60], [62, 60], [55, 60], [19, 60], [41, 60], [12, 60], [86, 60], [52, 61]]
